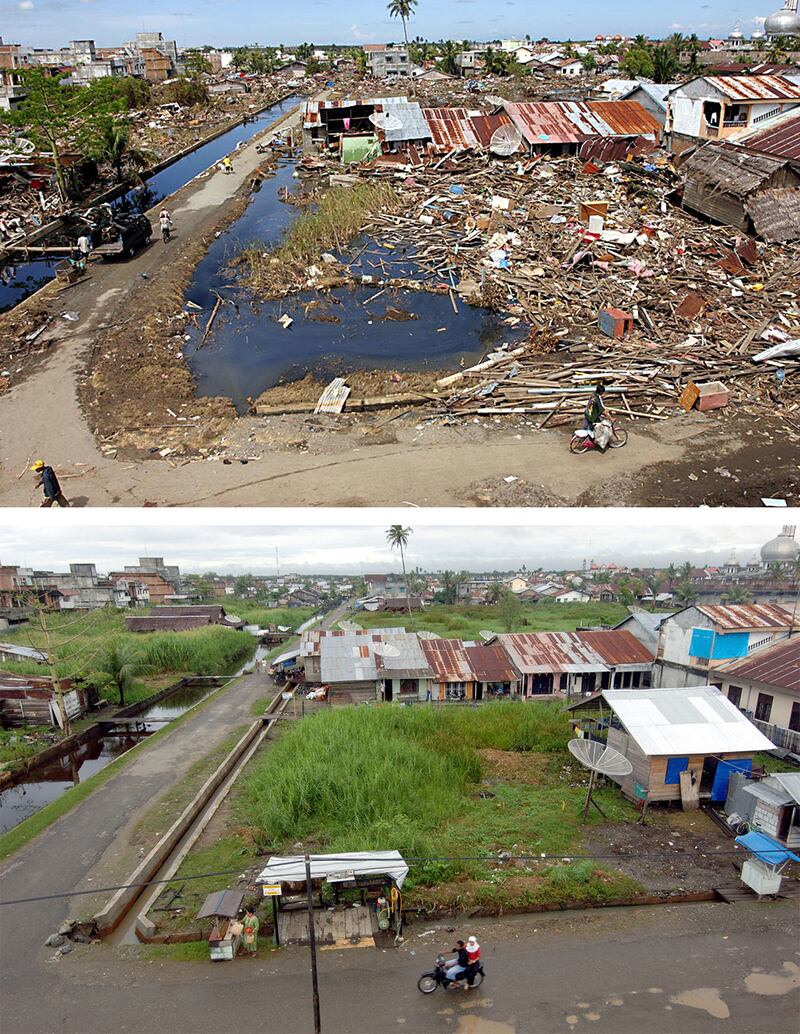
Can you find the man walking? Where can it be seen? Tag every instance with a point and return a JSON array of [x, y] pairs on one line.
[[84, 248], [48, 482]]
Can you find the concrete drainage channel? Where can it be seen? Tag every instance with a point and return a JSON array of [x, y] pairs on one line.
[[124, 919]]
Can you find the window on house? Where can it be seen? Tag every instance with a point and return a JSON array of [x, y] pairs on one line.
[[409, 686], [763, 707], [794, 717], [735, 695], [674, 768]]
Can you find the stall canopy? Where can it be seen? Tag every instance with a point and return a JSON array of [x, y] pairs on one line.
[[766, 849], [335, 867]]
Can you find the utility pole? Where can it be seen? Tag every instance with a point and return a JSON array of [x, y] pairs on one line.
[[312, 944]]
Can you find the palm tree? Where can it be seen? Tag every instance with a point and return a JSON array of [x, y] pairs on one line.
[[686, 571], [449, 586], [496, 62], [402, 9], [448, 55], [776, 571], [686, 593], [665, 64], [397, 536], [114, 146], [672, 574], [737, 594], [121, 664]]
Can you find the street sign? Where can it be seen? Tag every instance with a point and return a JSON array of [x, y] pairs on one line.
[[272, 890]]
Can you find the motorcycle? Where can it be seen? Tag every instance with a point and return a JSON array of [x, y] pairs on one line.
[[583, 441], [437, 977]]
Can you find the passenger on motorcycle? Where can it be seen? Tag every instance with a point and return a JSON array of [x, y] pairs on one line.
[[458, 966], [595, 408], [473, 960]]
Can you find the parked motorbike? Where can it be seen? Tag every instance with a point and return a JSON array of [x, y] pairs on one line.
[[583, 441], [437, 977]]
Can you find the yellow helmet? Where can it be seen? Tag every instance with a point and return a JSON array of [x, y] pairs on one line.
[[38, 465]]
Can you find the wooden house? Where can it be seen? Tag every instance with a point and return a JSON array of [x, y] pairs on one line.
[[665, 733]]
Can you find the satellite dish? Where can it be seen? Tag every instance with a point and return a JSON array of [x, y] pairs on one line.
[[505, 141], [350, 626], [386, 650], [233, 618], [495, 101], [385, 120], [597, 757], [428, 635], [24, 146], [487, 634]]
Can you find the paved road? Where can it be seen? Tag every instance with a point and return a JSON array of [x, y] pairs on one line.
[[79, 849], [683, 970]]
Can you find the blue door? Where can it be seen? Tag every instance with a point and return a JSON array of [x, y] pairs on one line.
[[719, 788]]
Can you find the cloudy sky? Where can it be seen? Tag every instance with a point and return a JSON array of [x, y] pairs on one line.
[[229, 22], [355, 541]]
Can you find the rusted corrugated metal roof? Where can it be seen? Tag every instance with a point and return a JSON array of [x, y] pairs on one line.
[[537, 653], [572, 122], [781, 138], [490, 663], [310, 643], [756, 87], [613, 149], [777, 665], [461, 128], [742, 616], [448, 659]]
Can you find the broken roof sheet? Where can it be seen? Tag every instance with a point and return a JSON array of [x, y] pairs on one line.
[[731, 170], [699, 720], [756, 87], [775, 665], [776, 213], [312, 109], [462, 129], [292, 868], [414, 127], [737, 617], [572, 122], [780, 137]]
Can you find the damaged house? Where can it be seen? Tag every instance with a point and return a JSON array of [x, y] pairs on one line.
[[758, 193], [562, 127]]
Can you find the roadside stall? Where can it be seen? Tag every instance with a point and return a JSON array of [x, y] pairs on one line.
[[225, 938], [369, 881]]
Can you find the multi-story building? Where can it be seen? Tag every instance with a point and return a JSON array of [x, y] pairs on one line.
[[385, 60], [156, 565]]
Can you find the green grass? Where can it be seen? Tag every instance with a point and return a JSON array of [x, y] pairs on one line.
[[201, 651], [770, 763], [387, 777], [20, 835], [333, 223], [254, 614], [461, 622]]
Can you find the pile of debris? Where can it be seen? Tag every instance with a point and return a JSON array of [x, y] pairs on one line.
[[616, 282]]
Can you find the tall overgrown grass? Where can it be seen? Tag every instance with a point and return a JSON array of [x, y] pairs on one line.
[[330, 226], [372, 778]]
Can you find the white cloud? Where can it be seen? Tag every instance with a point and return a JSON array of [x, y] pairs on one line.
[[25, 5]]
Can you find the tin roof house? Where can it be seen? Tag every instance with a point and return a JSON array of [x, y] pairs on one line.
[[683, 744]]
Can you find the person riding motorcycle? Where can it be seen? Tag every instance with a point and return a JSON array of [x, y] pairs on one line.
[[457, 967]]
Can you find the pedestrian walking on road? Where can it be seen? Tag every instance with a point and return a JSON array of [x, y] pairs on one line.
[[227, 165], [48, 482], [250, 934], [165, 221]]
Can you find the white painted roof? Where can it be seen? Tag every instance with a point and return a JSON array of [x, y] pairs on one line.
[[699, 720], [292, 868]]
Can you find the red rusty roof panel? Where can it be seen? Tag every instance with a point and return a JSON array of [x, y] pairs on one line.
[[781, 138], [448, 659], [462, 129], [739, 617], [537, 653], [572, 122], [491, 663], [756, 87], [777, 665]]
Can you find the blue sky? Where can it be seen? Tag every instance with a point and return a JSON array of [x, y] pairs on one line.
[[228, 22]]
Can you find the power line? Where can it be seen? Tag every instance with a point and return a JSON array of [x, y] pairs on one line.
[[505, 859]]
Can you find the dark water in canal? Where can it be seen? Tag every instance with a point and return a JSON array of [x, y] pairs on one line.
[[248, 351], [27, 277], [48, 782]]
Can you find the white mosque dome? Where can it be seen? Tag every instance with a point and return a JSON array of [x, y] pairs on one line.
[[782, 549], [785, 22]]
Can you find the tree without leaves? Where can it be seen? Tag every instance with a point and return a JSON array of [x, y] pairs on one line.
[[397, 536]]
